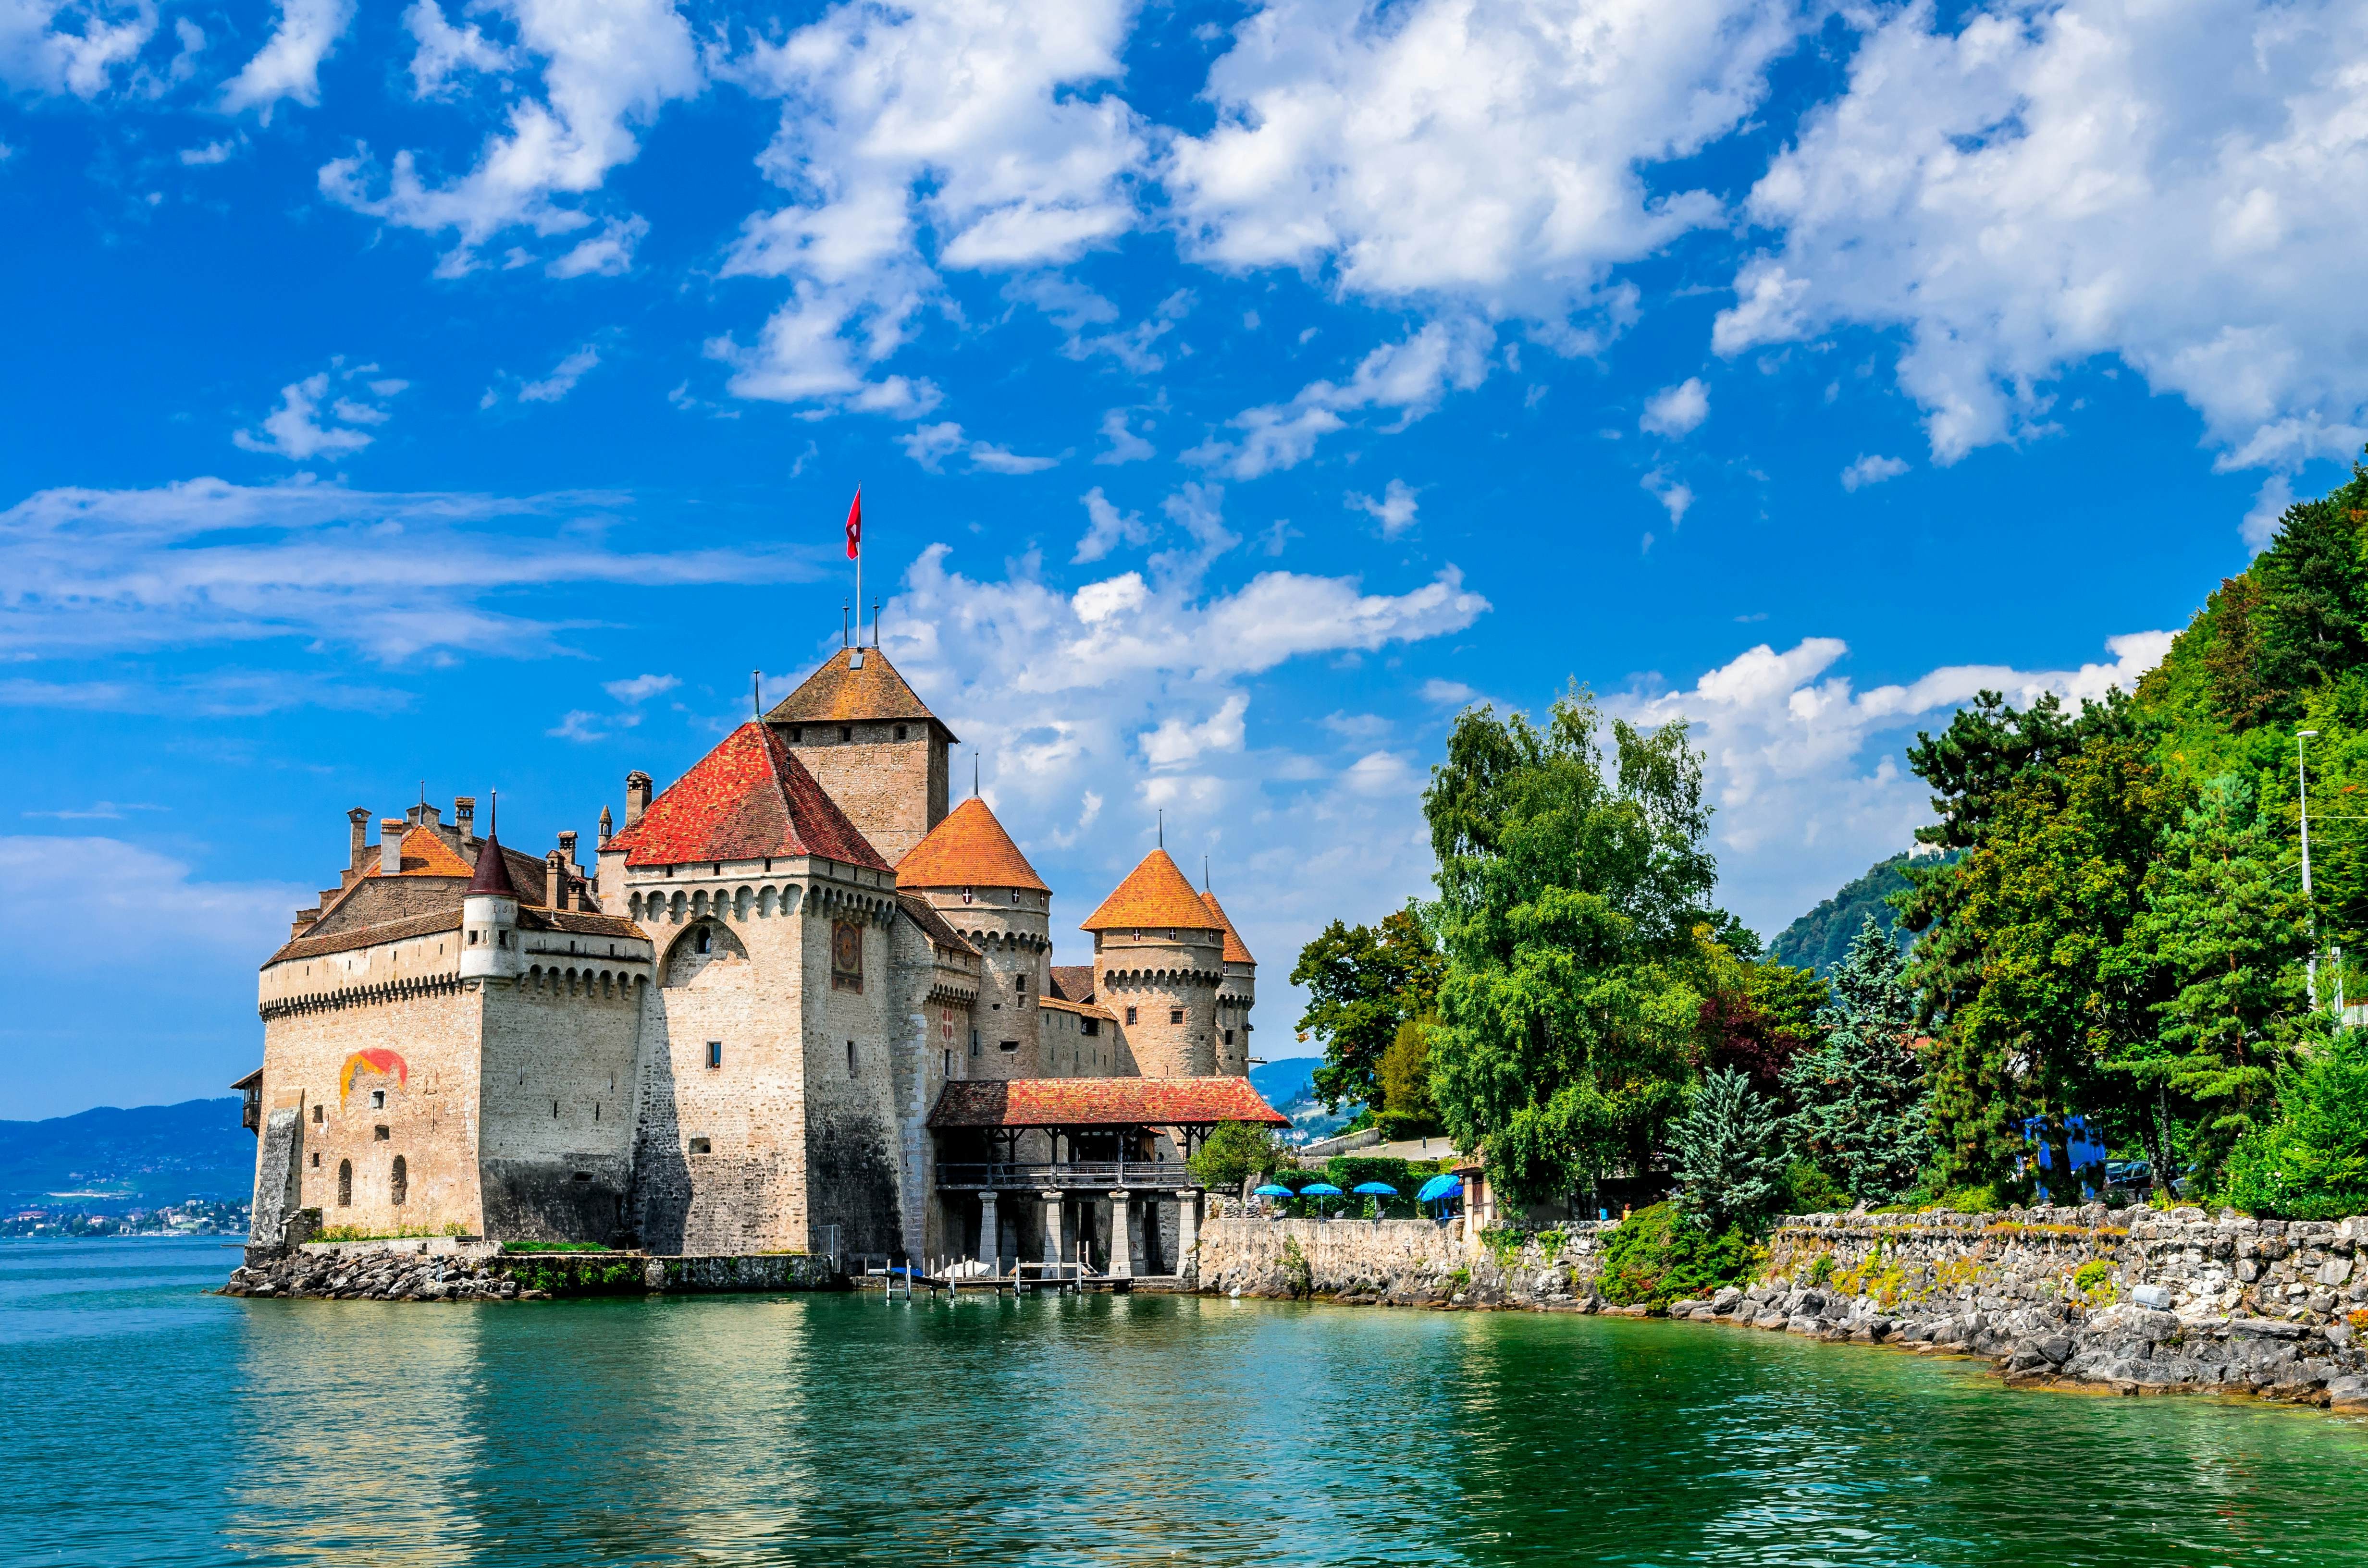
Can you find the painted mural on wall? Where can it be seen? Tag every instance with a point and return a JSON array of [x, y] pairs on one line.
[[379, 1062]]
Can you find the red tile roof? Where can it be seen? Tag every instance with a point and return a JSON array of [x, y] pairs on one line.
[[969, 848], [424, 853], [837, 694], [746, 799], [1073, 982], [1102, 1102], [1236, 950], [1154, 893]]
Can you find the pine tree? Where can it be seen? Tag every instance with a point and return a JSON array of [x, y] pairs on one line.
[[2224, 933], [1863, 1116], [1730, 1159]]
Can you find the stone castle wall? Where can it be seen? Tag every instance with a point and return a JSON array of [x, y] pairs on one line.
[[1159, 980], [2134, 1300], [556, 1153], [849, 1086], [892, 790]]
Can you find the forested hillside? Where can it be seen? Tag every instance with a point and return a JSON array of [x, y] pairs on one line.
[[2125, 934], [1820, 940]]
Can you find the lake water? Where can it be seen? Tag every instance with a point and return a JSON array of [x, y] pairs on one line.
[[148, 1423]]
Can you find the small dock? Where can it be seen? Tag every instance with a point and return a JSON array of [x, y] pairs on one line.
[[1029, 1278]]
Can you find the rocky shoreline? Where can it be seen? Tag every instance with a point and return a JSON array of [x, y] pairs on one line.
[[448, 1269], [2134, 1302]]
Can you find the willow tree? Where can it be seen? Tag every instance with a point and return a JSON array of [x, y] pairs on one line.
[[1568, 900]]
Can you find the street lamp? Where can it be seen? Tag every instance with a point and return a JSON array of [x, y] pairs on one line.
[[2302, 779]]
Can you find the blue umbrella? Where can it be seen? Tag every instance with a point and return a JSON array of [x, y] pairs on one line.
[[1272, 1189], [1441, 1187], [1321, 1190], [1375, 1189]]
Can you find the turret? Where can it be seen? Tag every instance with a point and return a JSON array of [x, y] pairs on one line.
[[975, 877], [1235, 996], [1158, 959], [489, 936]]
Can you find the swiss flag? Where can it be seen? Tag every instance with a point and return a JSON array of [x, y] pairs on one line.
[[855, 526]]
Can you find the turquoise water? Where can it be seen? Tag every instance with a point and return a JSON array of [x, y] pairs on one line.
[[148, 1423]]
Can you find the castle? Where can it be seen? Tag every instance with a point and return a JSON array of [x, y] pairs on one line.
[[795, 1003]]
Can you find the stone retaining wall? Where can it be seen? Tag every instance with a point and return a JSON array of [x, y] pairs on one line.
[[2132, 1300], [441, 1270]]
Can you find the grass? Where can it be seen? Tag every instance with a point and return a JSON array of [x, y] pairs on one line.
[[399, 1233]]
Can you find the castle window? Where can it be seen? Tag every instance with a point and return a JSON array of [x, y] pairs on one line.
[[379, 1133], [1175, 1015], [582, 1175], [715, 1053], [900, 731], [345, 1184], [472, 939], [850, 1059], [949, 1064], [847, 732], [1009, 1045], [1229, 1036], [316, 1159], [797, 734], [699, 1146], [1090, 1026], [706, 942], [501, 938], [319, 1115], [378, 1099], [399, 1183], [974, 1043], [1130, 1015]]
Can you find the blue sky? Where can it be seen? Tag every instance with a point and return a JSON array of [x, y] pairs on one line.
[[472, 394]]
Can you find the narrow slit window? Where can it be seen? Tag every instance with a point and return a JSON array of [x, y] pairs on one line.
[[715, 1053], [399, 1183], [850, 1059], [345, 1184]]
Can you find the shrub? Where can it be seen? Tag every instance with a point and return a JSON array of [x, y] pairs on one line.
[[1660, 1254], [1823, 1269], [1298, 1274], [1234, 1153], [1808, 1191], [1979, 1200], [2312, 1163], [400, 1232]]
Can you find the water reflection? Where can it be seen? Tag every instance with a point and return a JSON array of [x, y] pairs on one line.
[[150, 1424]]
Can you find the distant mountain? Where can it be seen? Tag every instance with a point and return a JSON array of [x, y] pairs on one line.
[[105, 1159], [1820, 939], [1284, 1083]]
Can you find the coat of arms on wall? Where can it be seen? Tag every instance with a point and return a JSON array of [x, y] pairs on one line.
[[846, 955]]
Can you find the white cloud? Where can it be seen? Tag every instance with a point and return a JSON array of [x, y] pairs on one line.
[[1107, 528], [1872, 471], [1447, 693], [1125, 446], [1177, 743], [2034, 185], [98, 572], [70, 46], [446, 51], [1800, 809], [608, 66], [1485, 151], [956, 134], [289, 64], [300, 429], [562, 378], [1395, 511], [1676, 411], [1382, 773], [211, 154], [1675, 498], [640, 688], [931, 444], [2269, 504], [1357, 727], [1410, 376]]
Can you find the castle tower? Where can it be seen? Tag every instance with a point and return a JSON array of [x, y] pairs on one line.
[[489, 913], [1158, 960], [1235, 996], [974, 876], [869, 742]]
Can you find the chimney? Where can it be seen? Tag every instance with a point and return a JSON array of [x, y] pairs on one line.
[[555, 878], [390, 845], [607, 826], [303, 923], [464, 816], [357, 837], [637, 795], [568, 849]]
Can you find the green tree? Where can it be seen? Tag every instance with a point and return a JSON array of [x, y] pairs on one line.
[[1566, 909], [1362, 983], [2226, 933], [2312, 1164], [1731, 1162], [1233, 1154], [2312, 619], [1864, 1114], [1406, 1107]]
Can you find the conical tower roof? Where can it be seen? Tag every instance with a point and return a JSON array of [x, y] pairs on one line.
[[493, 874], [844, 691], [746, 799], [970, 848], [1154, 893], [1236, 950]]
